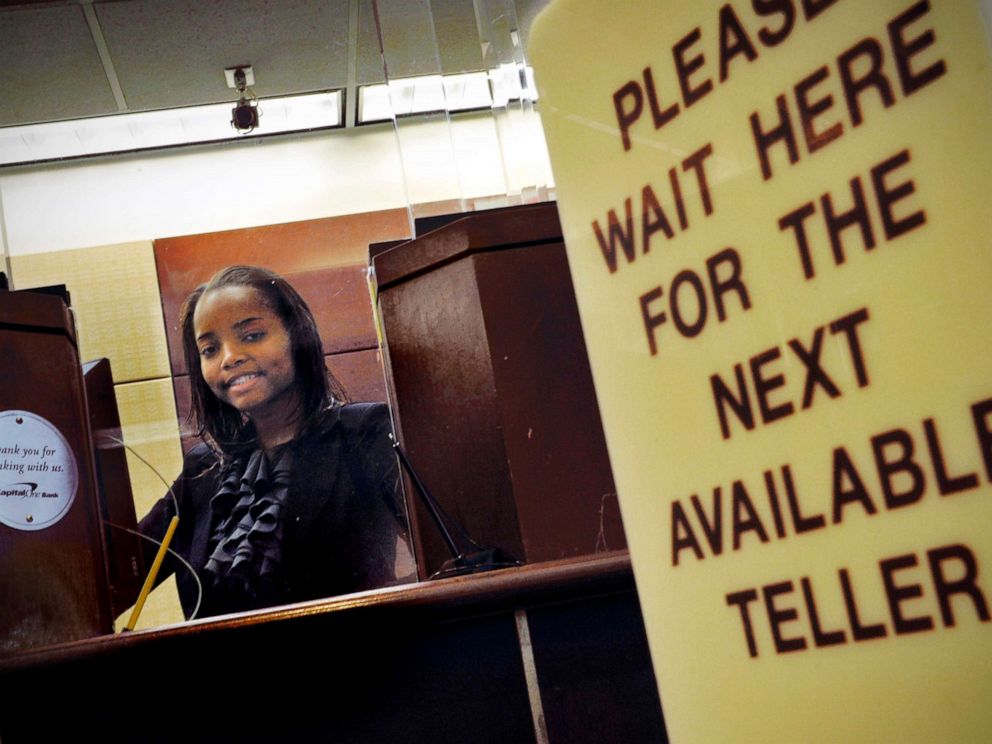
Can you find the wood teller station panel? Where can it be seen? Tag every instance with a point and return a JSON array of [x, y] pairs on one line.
[[492, 401]]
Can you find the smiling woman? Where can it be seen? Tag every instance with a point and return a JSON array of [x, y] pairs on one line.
[[246, 360], [293, 494]]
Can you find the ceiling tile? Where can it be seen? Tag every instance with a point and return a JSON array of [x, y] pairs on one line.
[[457, 35], [174, 53], [49, 66], [169, 53], [368, 59], [408, 38]]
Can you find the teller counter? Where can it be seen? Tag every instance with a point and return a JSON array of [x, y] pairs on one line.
[[550, 652]]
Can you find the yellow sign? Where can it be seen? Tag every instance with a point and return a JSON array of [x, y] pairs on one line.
[[778, 223]]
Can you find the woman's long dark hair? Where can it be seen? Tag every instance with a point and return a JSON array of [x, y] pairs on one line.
[[222, 426]]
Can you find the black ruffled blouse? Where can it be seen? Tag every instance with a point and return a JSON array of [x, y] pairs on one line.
[[245, 563], [322, 516]]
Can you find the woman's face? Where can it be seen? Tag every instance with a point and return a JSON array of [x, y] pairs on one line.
[[245, 351]]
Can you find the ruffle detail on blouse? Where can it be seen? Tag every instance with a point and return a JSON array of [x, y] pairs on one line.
[[248, 512]]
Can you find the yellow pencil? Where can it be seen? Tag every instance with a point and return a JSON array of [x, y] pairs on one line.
[[150, 580]]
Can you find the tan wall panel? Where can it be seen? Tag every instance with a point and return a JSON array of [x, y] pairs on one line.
[[148, 420], [115, 295]]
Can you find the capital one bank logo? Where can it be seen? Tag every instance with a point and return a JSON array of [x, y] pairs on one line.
[[24, 490], [32, 446]]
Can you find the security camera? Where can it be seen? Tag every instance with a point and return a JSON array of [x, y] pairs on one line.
[[244, 116]]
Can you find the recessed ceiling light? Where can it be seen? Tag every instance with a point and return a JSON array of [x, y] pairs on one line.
[[148, 130], [459, 92]]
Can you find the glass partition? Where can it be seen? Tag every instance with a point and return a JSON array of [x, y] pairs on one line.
[[461, 96], [408, 43], [514, 94]]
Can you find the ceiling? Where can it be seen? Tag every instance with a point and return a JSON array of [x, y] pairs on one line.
[[63, 59]]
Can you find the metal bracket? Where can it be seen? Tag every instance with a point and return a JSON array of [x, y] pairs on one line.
[[249, 75]]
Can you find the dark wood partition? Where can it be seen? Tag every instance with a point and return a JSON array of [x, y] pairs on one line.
[[492, 392], [125, 557], [53, 582]]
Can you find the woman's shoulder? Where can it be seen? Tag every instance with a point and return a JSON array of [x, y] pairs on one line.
[[354, 425], [351, 417], [200, 458], [364, 413]]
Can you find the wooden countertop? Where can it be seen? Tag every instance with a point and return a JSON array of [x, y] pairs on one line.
[[421, 603]]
